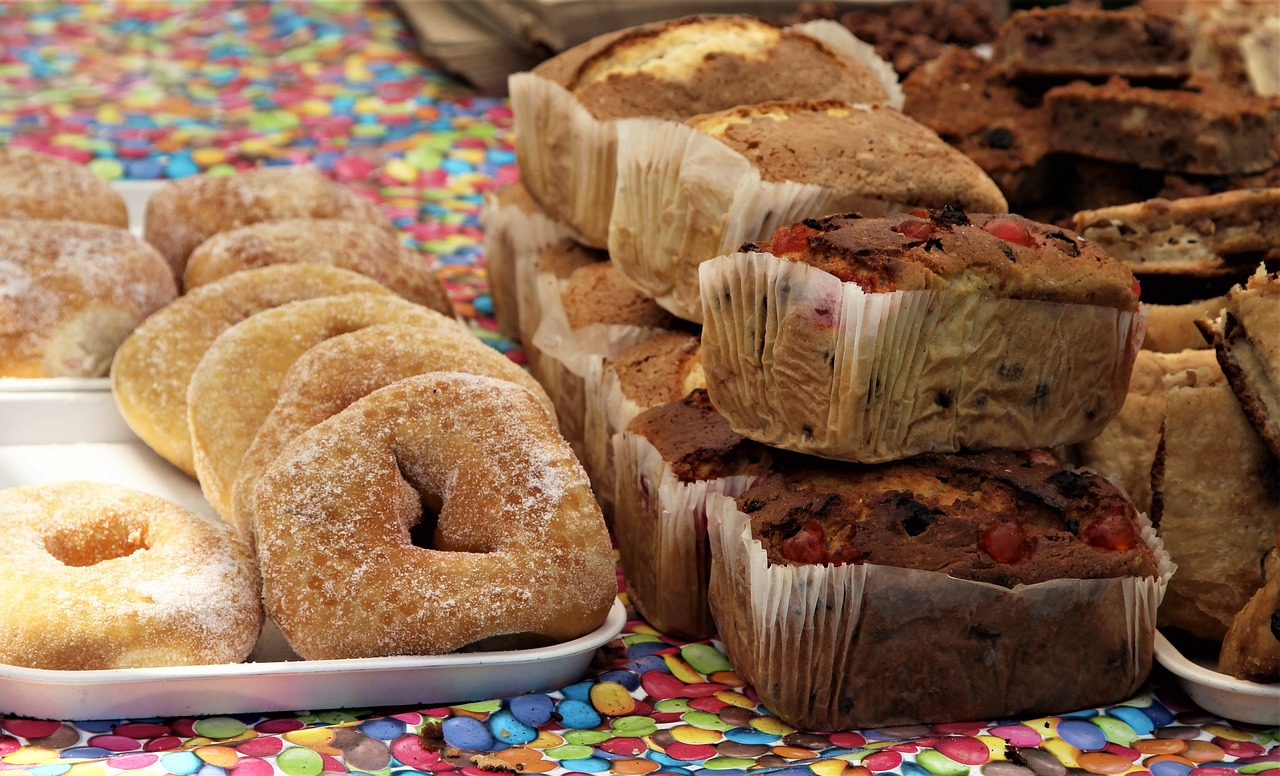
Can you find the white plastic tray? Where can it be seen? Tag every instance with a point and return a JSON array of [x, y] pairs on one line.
[[1226, 696], [37, 444]]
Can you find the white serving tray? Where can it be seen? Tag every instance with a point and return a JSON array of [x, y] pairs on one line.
[[1226, 696], [38, 433]]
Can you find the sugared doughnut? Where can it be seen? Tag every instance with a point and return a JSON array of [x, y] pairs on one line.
[[99, 576], [45, 187], [330, 376], [70, 292], [154, 364], [510, 541], [188, 211], [237, 381], [365, 248]]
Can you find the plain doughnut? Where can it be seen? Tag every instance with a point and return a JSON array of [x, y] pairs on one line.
[[360, 247], [99, 576], [45, 187], [185, 212], [333, 374], [237, 381], [70, 293], [153, 365], [519, 545]]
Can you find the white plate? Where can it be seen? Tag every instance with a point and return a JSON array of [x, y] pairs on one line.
[[136, 194], [1226, 696], [274, 678]]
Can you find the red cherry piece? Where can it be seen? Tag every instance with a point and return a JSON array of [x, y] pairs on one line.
[[1010, 231], [917, 231], [791, 239], [808, 545], [1006, 542], [1112, 531]]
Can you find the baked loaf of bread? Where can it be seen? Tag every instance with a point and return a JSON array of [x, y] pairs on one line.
[[873, 339], [153, 367], [668, 459], [45, 187], [933, 589], [185, 212], [362, 247], [1246, 337], [565, 107], [70, 293], [689, 192], [1067, 42], [1206, 131]]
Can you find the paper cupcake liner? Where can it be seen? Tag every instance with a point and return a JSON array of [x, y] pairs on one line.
[[661, 527], [683, 197], [566, 156], [860, 645], [797, 359], [513, 238]]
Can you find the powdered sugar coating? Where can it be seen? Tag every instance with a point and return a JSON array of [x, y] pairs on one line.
[[153, 366], [99, 576], [44, 187], [519, 547], [70, 292]]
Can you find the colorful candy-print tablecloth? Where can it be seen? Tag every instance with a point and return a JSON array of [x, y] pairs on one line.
[[150, 89]]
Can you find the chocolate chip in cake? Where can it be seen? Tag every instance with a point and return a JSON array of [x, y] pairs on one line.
[[998, 137], [1070, 484], [951, 215]]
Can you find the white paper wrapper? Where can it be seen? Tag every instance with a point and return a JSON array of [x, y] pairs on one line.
[[683, 197], [661, 527], [566, 156], [796, 359], [513, 238], [859, 645]]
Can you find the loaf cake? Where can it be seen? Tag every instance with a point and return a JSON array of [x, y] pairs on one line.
[[689, 192], [564, 108], [50, 188], [1065, 42], [1000, 125], [942, 588], [70, 293], [668, 459], [1206, 131], [873, 339]]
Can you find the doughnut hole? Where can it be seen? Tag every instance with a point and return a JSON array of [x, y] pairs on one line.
[[107, 538]]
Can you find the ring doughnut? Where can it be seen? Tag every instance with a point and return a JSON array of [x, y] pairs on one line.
[[185, 212], [365, 248], [336, 514], [336, 372], [46, 187], [237, 381], [99, 576], [153, 366]]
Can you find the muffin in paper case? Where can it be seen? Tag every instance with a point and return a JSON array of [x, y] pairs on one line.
[[564, 110], [799, 359], [687, 192], [841, 647], [515, 232]]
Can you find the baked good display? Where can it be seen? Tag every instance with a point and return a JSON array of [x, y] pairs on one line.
[[687, 192], [1233, 41], [150, 582], [70, 293], [668, 459], [1182, 447], [153, 366], [1251, 648], [1246, 338], [45, 187], [565, 108], [1171, 328], [336, 372], [1214, 234], [1065, 42], [1205, 131], [515, 232], [361, 247], [185, 212], [873, 339], [934, 589], [346, 533], [253, 356], [999, 124], [541, 285]]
